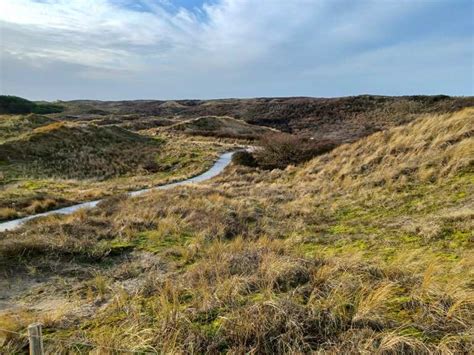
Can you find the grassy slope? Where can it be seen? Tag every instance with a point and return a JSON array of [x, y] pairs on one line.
[[78, 151], [219, 127], [13, 126], [367, 248], [45, 165]]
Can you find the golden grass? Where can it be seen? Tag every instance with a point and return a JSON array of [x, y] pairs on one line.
[[354, 252], [13, 126], [427, 149], [60, 178]]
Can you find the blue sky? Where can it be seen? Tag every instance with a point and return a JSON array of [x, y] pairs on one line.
[[165, 49]]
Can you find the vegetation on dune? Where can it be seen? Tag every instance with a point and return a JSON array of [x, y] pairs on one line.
[[131, 122], [342, 119], [18, 105], [46, 163], [244, 158], [367, 248], [15, 105], [219, 127], [79, 151], [13, 126], [278, 150]]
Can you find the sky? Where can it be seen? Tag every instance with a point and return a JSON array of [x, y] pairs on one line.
[[202, 49]]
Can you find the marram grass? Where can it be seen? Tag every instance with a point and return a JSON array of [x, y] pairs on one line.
[[367, 249]]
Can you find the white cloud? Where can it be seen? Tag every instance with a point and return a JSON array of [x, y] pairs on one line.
[[91, 32], [227, 43]]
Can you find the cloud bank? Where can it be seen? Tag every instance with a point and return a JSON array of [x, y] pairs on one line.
[[125, 49]]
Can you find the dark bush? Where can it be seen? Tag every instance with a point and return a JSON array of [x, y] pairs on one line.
[[151, 166], [278, 150], [244, 158]]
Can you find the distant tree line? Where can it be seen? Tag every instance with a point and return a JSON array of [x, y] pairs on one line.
[[18, 105]]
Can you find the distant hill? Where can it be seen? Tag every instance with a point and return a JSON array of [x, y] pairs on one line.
[[343, 119], [219, 127]]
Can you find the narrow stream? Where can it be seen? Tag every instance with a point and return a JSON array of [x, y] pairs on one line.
[[223, 161]]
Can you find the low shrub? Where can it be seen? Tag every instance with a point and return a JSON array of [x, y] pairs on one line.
[[244, 158], [278, 150]]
